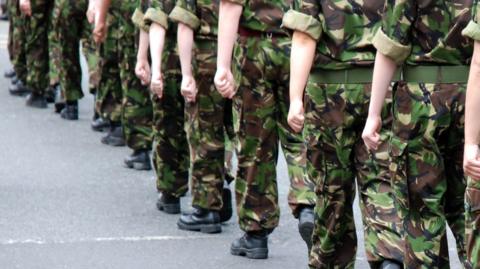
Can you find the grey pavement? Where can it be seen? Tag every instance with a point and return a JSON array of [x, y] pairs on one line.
[[67, 202]]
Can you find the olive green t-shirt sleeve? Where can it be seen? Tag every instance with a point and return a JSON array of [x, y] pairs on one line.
[[305, 17], [394, 39]]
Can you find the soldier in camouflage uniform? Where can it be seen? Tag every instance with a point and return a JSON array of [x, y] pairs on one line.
[[471, 160], [426, 146], [36, 24], [336, 103], [260, 120], [209, 115], [16, 49], [68, 25], [135, 111], [171, 152]]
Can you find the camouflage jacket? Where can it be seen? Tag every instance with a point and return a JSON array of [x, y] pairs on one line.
[[157, 12], [263, 15], [473, 28], [200, 15], [425, 32], [344, 30]]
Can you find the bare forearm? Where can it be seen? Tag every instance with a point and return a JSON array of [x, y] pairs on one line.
[[157, 42], [229, 19], [383, 73], [185, 46], [472, 110], [301, 60], [103, 6], [143, 46]]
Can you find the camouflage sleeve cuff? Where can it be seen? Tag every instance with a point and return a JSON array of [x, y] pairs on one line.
[[138, 20], [184, 16], [301, 22], [391, 48], [472, 30], [240, 2], [157, 16]]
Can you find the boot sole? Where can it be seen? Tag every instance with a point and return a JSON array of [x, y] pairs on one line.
[[139, 166], [114, 144], [68, 118], [256, 253], [203, 228], [172, 209], [100, 129], [19, 94], [306, 231]]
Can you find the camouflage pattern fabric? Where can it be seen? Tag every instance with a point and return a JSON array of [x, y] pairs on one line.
[[209, 119], [171, 151], [335, 114], [472, 193], [92, 55], [36, 46], [260, 122], [17, 41], [336, 156], [428, 34], [68, 23], [417, 155], [118, 70]]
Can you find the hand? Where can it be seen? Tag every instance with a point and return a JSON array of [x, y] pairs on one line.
[[189, 89], [142, 71], [296, 117], [225, 83], [156, 85], [371, 136], [471, 161], [26, 7], [100, 30]]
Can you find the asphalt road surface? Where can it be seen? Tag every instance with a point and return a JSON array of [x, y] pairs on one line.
[[67, 202]]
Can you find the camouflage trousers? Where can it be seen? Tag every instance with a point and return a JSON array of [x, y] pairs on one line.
[[260, 121], [426, 170], [170, 151], [36, 46], [92, 55], [121, 97], [208, 122], [17, 40], [334, 119], [472, 201], [68, 26]]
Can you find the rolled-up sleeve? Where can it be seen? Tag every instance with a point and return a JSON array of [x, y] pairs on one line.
[[473, 28], [185, 12], [156, 15], [138, 19], [240, 2], [393, 40], [304, 17]]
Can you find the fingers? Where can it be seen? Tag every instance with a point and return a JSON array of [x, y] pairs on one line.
[[296, 122], [371, 140], [472, 168]]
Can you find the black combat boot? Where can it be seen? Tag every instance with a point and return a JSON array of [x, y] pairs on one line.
[[100, 124], [115, 136], [9, 73], [201, 220], [168, 203], [18, 89], [389, 264], [226, 211], [70, 112], [139, 160], [306, 220], [36, 100], [253, 245], [14, 80], [4, 17], [51, 94]]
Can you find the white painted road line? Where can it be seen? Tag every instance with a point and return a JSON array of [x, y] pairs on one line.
[[101, 239]]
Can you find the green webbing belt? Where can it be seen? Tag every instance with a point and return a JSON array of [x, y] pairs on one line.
[[436, 74], [415, 74], [349, 76]]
